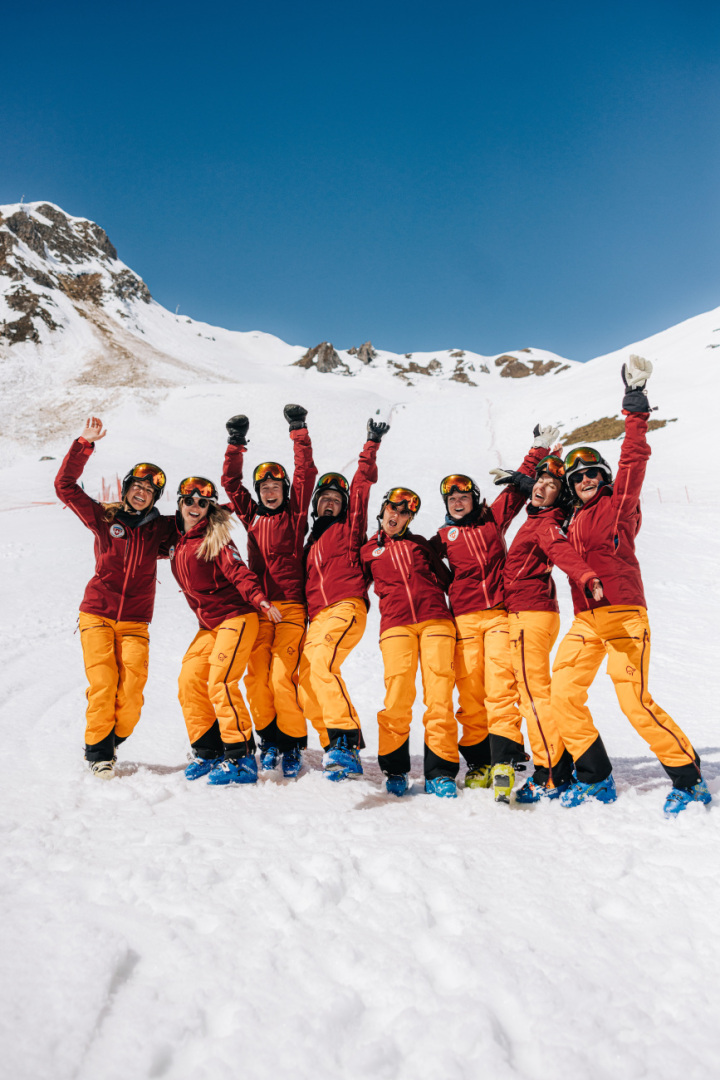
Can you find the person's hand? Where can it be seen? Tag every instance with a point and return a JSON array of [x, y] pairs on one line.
[[596, 589], [274, 614], [376, 429], [93, 430], [501, 476], [545, 436], [237, 429], [636, 372], [295, 416], [557, 450]]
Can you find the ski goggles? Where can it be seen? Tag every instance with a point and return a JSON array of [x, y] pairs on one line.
[[456, 482], [152, 473], [396, 497], [269, 470], [581, 456], [552, 465], [197, 485], [333, 479]]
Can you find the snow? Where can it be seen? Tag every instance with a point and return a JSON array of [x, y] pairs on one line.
[[156, 928]]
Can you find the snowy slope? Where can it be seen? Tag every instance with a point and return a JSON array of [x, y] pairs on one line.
[[154, 928]]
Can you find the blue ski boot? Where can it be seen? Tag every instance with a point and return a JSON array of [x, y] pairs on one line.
[[603, 791], [680, 798], [396, 784], [342, 761], [443, 786], [200, 766], [269, 756], [292, 763], [532, 792], [242, 770]]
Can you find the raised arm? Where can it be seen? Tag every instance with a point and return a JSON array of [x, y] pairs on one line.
[[305, 470], [635, 449], [67, 488], [232, 476], [519, 485], [365, 476]]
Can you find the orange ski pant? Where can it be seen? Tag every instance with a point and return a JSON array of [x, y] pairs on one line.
[[432, 644], [271, 681], [532, 636], [331, 637], [623, 635], [116, 665], [208, 687], [485, 678]]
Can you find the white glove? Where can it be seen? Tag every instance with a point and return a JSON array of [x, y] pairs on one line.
[[545, 436], [502, 476], [636, 372]]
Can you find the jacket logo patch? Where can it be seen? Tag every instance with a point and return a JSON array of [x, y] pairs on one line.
[[117, 530], [453, 534], [171, 552], [377, 552], [236, 555]]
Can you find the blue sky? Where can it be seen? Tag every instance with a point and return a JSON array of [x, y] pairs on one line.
[[426, 175]]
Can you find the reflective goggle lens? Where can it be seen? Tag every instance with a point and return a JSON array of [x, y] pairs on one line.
[[552, 465], [333, 478], [585, 454], [153, 473], [397, 496], [269, 470], [197, 485], [456, 482]]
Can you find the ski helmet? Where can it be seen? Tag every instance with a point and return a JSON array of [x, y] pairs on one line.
[[331, 481], [464, 485], [403, 499], [582, 458], [197, 485], [150, 474], [271, 470]]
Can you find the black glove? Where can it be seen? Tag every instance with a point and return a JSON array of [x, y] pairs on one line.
[[635, 375], [237, 429], [519, 480], [295, 416], [376, 429], [635, 400]]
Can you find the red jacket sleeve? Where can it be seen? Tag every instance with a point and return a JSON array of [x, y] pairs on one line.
[[242, 501], [509, 504], [561, 553], [439, 569], [304, 475], [365, 476], [632, 466], [69, 491], [234, 569]]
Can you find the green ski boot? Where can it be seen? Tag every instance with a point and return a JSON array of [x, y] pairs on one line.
[[478, 777], [503, 778]]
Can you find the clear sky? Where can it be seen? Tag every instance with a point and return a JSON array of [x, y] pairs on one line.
[[425, 174]]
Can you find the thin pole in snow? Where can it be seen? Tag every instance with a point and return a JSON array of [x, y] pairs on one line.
[[659, 495], [687, 493]]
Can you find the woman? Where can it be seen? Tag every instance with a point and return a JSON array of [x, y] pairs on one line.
[[224, 594], [415, 626], [473, 542], [603, 528], [337, 606], [276, 523], [117, 607], [534, 619]]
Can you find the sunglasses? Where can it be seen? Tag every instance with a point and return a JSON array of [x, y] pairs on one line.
[[197, 485], [591, 474], [269, 470], [192, 500], [146, 471], [403, 499], [550, 464], [585, 454], [336, 478], [456, 482]]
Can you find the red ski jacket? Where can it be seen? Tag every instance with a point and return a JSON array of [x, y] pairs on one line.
[[603, 530], [333, 569], [221, 589], [476, 552], [275, 540], [126, 555], [409, 577], [539, 544]]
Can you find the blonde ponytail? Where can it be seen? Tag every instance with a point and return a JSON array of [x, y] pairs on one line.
[[218, 533]]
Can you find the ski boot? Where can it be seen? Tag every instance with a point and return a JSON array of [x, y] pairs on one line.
[[680, 798], [200, 766], [603, 791], [503, 778], [396, 784], [242, 770], [104, 769], [532, 792], [341, 761], [269, 756], [292, 763], [442, 786], [478, 776]]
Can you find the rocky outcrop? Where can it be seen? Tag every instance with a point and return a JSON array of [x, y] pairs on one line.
[[323, 357], [365, 353], [512, 368]]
